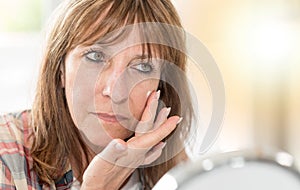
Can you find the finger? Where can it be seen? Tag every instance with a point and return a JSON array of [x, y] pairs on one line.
[[106, 159], [162, 117], [148, 115], [154, 153], [151, 106], [155, 136], [113, 151]]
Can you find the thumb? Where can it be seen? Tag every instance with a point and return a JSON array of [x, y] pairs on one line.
[[105, 161], [113, 151]]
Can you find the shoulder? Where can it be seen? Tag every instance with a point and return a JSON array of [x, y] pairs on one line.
[[14, 135], [15, 127], [14, 152]]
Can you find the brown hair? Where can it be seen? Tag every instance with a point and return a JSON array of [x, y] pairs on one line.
[[56, 139]]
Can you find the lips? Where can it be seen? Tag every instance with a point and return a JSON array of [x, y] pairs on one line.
[[110, 118]]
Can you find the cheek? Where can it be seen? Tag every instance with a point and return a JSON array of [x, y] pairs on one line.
[[70, 75], [79, 89], [138, 97]]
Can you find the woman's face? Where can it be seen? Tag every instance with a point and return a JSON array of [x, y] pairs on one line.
[[106, 90]]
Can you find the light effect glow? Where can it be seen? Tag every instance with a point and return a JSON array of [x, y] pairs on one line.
[[271, 42], [284, 159], [263, 39], [166, 182], [207, 165]]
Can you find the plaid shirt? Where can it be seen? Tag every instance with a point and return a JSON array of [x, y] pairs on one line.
[[15, 161]]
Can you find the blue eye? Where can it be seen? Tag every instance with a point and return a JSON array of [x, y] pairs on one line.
[[95, 56], [144, 67]]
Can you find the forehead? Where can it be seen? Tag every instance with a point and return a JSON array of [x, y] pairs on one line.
[[127, 39], [120, 39], [106, 23]]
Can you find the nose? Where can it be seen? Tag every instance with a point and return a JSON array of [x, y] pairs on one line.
[[112, 84]]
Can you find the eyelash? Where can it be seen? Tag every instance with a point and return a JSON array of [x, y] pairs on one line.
[[94, 51], [150, 64], [103, 59]]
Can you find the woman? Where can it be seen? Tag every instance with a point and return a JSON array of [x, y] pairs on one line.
[[112, 108]]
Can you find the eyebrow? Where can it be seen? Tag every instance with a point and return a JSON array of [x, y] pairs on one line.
[[141, 56], [146, 57]]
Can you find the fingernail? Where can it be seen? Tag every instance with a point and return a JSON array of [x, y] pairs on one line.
[[148, 93], [179, 120], [120, 146], [157, 95], [163, 145], [168, 110]]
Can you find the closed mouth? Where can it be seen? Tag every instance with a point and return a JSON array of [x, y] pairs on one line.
[[111, 118]]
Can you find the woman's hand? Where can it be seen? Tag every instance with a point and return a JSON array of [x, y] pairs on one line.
[[110, 168]]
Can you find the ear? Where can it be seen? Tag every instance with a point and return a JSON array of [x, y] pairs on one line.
[[62, 75]]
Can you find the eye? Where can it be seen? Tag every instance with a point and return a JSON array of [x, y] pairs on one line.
[[95, 56], [144, 67]]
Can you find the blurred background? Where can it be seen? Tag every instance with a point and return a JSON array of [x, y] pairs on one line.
[[256, 47], [254, 43], [22, 24]]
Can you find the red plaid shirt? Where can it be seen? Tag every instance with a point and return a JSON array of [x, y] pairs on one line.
[[15, 160]]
